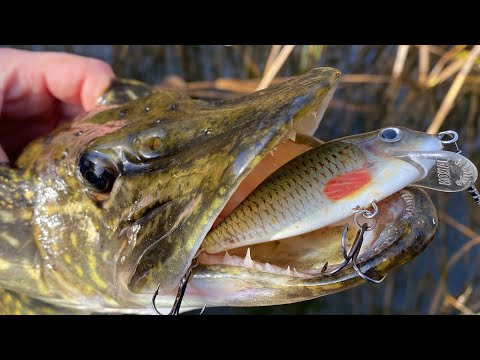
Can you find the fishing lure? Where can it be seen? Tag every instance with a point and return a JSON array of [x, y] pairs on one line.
[[320, 186], [446, 171]]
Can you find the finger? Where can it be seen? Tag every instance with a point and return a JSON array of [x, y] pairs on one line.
[[88, 78], [32, 81]]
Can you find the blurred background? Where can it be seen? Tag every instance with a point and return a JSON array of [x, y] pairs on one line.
[[424, 87]]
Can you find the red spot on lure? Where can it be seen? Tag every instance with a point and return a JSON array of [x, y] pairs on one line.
[[346, 184]]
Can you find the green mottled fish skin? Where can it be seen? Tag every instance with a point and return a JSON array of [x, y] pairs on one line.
[[288, 195], [13, 303]]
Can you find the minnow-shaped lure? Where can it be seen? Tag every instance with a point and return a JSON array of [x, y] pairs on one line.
[[324, 184]]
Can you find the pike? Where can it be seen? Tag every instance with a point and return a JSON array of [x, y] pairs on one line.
[[116, 203]]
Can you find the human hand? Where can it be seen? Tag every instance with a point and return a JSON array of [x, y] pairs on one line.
[[40, 89]]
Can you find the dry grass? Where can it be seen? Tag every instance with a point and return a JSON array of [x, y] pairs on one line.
[[460, 306], [400, 61], [449, 64], [453, 91], [271, 57], [424, 64], [276, 64], [446, 57], [474, 239]]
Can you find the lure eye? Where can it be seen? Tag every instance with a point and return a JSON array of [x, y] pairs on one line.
[[98, 171], [390, 134]]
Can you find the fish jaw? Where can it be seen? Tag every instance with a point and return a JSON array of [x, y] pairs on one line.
[[407, 224]]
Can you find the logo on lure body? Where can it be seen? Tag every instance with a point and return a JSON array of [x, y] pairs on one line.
[[443, 172], [466, 177]]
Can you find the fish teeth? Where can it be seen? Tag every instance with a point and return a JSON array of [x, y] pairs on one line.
[[227, 259], [269, 268], [248, 260], [295, 272], [272, 152], [292, 135]]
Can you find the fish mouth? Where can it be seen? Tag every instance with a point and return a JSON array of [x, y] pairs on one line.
[[295, 269], [214, 149]]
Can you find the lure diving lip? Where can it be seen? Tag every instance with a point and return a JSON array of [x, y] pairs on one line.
[[450, 172]]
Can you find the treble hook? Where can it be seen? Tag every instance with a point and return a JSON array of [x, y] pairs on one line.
[[355, 256], [352, 255], [181, 292], [358, 240]]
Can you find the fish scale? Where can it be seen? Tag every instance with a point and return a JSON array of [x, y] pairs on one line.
[[287, 196]]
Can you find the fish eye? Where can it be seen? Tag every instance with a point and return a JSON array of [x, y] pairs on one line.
[[390, 134], [98, 171]]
